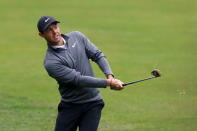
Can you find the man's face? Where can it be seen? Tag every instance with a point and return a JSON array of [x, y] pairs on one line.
[[52, 34]]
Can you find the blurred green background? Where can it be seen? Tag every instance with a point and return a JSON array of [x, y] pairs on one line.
[[136, 37]]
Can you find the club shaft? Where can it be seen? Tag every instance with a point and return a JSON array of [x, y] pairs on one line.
[[125, 84]]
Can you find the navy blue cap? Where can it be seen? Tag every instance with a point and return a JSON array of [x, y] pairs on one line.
[[44, 22]]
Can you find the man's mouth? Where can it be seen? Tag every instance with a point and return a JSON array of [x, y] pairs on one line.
[[56, 36]]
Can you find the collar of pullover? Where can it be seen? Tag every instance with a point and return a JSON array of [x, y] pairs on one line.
[[61, 46], [65, 39]]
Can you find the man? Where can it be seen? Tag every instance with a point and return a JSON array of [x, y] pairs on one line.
[[67, 61]]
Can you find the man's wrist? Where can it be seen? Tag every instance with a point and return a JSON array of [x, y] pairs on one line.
[[110, 76], [109, 82]]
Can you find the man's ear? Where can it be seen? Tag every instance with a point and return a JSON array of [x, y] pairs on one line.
[[41, 34]]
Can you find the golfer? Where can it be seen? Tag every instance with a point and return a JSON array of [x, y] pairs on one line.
[[67, 61]]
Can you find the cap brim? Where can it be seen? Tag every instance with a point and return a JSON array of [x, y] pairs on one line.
[[47, 25]]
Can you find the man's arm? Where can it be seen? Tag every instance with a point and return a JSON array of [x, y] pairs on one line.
[[67, 75], [105, 67], [96, 55]]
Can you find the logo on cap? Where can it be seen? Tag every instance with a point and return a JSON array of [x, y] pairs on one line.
[[47, 20]]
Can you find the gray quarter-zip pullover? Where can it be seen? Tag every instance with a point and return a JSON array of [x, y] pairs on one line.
[[72, 70]]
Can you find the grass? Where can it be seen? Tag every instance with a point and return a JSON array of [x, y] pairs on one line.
[[136, 36]]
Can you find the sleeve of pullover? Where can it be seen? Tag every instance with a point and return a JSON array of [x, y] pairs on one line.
[[67, 75], [104, 66], [96, 55]]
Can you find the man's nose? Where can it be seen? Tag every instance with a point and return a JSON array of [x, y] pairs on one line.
[[54, 30]]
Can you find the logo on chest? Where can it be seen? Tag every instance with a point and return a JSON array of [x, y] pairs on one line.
[[74, 44]]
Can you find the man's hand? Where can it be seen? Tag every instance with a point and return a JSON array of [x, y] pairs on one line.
[[115, 84]]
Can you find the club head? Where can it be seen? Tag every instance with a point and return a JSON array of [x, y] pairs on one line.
[[156, 73]]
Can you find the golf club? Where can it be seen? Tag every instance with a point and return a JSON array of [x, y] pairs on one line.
[[156, 73]]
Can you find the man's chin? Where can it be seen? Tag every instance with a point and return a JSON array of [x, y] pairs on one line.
[[53, 43]]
